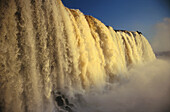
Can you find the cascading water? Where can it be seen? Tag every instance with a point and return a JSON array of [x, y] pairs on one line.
[[45, 46]]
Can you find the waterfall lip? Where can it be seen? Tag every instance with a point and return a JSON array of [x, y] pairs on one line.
[[127, 31]]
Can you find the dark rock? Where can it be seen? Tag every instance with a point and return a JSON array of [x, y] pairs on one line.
[[58, 93], [0, 109], [62, 102], [67, 102], [139, 32], [63, 96], [68, 109], [107, 26], [59, 101]]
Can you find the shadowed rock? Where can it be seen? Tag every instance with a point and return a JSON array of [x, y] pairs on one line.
[[139, 32], [68, 109], [62, 102], [59, 101]]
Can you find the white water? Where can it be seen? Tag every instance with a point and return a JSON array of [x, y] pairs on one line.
[[45, 46]]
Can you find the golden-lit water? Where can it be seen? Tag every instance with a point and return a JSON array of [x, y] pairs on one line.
[[45, 46]]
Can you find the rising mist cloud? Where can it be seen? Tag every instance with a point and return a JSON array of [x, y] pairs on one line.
[[146, 90], [161, 40]]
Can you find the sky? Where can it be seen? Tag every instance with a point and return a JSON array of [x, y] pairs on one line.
[[131, 15]]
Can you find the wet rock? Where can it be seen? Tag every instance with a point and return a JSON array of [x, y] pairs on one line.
[[139, 32], [68, 109], [59, 101], [62, 103], [67, 102]]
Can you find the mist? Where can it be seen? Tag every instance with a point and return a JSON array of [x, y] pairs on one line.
[[146, 89], [161, 39]]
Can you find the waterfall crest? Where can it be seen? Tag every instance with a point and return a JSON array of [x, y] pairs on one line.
[[45, 46]]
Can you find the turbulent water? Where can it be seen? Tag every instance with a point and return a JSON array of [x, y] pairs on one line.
[[45, 46]]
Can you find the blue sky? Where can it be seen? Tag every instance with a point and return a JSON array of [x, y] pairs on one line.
[[130, 15]]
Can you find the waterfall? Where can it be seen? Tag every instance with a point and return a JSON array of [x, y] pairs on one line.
[[45, 46]]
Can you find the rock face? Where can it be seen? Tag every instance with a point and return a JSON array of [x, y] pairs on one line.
[[62, 103], [45, 46]]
